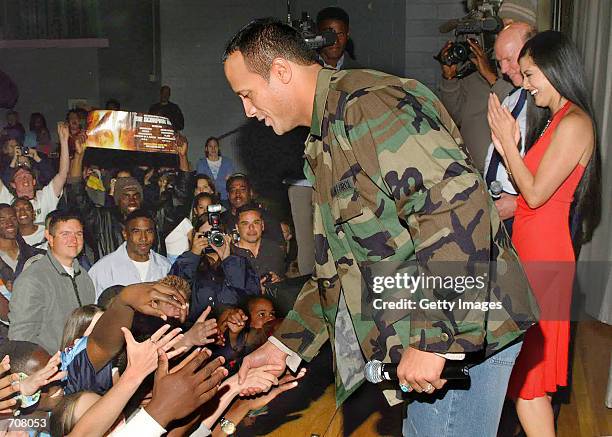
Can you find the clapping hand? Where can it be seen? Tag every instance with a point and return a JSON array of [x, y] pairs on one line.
[[505, 130]]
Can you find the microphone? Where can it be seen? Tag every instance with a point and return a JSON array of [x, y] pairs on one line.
[[495, 190], [376, 371]]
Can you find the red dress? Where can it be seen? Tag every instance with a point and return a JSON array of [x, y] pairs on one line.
[[542, 240]]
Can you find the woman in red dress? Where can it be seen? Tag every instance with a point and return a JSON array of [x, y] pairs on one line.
[[561, 166]]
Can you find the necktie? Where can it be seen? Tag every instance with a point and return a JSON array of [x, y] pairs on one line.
[[496, 158]]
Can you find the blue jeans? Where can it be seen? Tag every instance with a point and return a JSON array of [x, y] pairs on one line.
[[461, 413]]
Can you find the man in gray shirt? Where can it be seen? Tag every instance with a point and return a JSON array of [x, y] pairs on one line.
[[47, 292]]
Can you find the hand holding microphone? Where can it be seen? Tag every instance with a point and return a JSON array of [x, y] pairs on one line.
[[417, 370]]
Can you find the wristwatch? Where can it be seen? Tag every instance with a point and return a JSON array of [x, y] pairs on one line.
[[227, 426]]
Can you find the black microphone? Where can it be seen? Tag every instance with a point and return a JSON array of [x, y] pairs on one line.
[[376, 371]]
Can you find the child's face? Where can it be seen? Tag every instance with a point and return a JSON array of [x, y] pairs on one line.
[[260, 312]]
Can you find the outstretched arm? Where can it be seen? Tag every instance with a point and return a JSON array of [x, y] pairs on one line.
[[106, 340], [64, 163]]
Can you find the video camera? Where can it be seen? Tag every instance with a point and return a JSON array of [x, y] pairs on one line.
[[480, 24], [307, 28]]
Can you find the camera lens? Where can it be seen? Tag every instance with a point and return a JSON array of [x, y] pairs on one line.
[[217, 239], [460, 52]]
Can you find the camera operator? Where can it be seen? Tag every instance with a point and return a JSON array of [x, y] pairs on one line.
[[466, 97], [336, 56], [267, 257], [217, 276]]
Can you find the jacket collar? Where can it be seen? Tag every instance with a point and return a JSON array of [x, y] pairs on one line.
[[318, 110], [60, 269]]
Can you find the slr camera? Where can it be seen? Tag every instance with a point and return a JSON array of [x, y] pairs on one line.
[[215, 236]]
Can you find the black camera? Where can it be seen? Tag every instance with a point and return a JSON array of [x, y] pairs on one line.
[[480, 25], [215, 236], [25, 150], [457, 53], [306, 27]]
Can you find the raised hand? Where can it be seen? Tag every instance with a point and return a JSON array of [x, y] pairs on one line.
[[182, 145], [146, 297], [142, 357], [202, 332], [176, 395], [63, 132], [9, 386], [42, 377]]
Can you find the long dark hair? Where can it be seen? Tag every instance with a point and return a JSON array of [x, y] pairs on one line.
[[558, 59]]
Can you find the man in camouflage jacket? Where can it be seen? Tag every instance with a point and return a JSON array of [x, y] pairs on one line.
[[392, 183]]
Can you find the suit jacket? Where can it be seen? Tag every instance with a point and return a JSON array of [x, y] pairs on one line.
[[393, 183]]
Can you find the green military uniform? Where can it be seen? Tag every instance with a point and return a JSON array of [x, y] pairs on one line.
[[393, 182]]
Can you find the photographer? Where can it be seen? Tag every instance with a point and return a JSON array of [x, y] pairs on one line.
[[217, 276], [466, 98], [266, 256]]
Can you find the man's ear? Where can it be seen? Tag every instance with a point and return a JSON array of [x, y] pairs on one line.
[[281, 69], [49, 237], [124, 234]]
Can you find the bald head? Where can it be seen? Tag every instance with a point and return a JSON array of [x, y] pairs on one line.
[[508, 45]]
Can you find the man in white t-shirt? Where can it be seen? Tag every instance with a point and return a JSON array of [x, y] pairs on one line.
[[134, 261], [23, 183]]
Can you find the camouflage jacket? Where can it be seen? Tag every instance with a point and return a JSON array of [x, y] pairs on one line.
[[393, 182]]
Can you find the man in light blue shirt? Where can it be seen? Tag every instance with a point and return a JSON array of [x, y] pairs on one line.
[[134, 261]]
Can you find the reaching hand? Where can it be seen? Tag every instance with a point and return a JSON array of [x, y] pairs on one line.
[[9, 386], [287, 382], [176, 395], [142, 357], [42, 377], [145, 298], [202, 331], [266, 354]]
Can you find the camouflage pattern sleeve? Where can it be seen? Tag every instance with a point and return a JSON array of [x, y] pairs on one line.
[[303, 330], [414, 154]]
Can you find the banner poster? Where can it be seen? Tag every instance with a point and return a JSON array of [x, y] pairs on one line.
[[133, 131]]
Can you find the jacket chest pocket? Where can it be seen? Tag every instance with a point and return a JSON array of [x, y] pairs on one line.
[[359, 227]]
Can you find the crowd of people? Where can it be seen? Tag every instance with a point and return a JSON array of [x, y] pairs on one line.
[[84, 271], [142, 300]]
